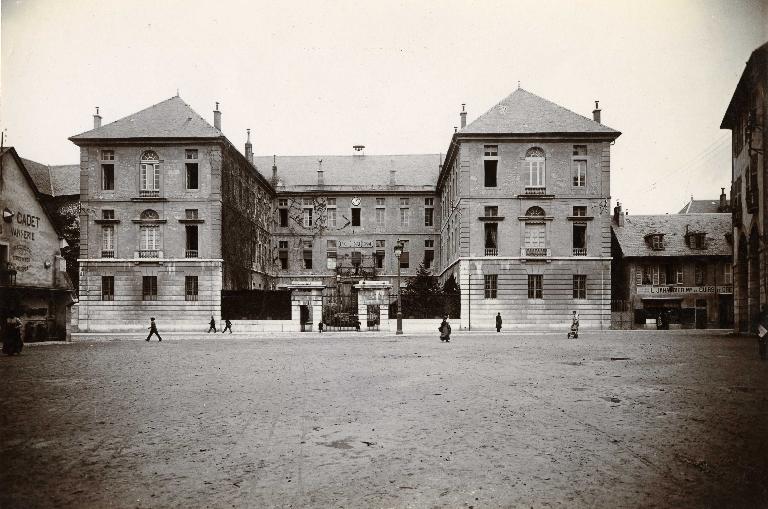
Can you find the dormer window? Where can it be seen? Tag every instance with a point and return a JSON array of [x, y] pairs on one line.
[[697, 240], [655, 241]]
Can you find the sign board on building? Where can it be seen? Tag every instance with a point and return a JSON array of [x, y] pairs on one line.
[[356, 243], [656, 289]]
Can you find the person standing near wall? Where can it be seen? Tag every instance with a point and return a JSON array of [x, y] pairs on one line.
[[153, 329], [498, 322], [445, 330], [227, 325], [212, 324]]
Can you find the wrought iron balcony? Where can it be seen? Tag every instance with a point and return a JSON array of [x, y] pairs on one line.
[[579, 251], [191, 253], [107, 253], [149, 253], [537, 252], [149, 193], [535, 190], [491, 251]]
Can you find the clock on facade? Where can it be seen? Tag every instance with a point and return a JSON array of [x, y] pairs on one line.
[[355, 201]]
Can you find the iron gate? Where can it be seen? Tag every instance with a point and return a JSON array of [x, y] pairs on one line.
[[340, 308]]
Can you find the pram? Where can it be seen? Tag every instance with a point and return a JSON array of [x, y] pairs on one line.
[[574, 333]]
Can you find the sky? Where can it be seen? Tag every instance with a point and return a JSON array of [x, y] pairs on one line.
[[316, 77]]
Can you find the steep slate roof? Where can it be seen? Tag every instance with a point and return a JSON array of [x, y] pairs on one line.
[[65, 179], [172, 118], [739, 95], [522, 112], [354, 172], [704, 207], [40, 174], [631, 236]]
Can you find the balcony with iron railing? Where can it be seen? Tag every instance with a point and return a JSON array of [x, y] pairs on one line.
[[491, 251], [150, 253], [149, 193], [536, 190], [107, 253], [579, 251], [191, 253], [535, 252]]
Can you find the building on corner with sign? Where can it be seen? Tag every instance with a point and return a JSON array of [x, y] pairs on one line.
[[680, 264], [33, 280], [747, 118]]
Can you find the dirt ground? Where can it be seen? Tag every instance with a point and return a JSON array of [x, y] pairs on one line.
[[613, 419]]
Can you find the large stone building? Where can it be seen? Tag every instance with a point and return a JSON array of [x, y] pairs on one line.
[[33, 281], [676, 263], [171, 215], [747, 118], [525, 217]]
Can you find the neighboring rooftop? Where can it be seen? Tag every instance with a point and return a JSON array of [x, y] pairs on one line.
[[354, 172], [525, 113], [172, 118], [61, 180], [631, 236], [705, 207], [740, 95]]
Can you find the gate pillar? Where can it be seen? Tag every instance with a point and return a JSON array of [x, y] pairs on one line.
[[309, 294], [373, 293]]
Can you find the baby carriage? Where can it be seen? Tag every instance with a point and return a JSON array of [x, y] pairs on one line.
[[574, 332]]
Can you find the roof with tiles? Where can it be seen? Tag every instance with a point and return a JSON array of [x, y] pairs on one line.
[[412, 172], [41, 176], [522, 112], [705, 207], [632, 236], [61, 180], [172, 118]]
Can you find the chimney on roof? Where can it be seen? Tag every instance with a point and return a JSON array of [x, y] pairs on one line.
[[274, 170], [618, 214], [359, 150], [217, 117], [248, 147], [392, 179], [97, 119], [320, 172], [723, 201], [596, 112], [463, 116]]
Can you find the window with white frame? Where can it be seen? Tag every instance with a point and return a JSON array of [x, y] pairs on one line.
[[150, 173], [490, 165], [405, 213], [108, 241], [307, 217], [150, 238], [535, 286], [727, 273], [579, 172], [579, 286], [490, 284], [534, 168]]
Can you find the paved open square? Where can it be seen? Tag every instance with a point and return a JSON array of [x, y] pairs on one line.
[[613, 419]]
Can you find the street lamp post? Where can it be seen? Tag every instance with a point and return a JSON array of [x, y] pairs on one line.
[[398, 252]]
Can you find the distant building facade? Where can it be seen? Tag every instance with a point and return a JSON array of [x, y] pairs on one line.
[[525, 216], [679, 264], [747, 118], [171, 215], [33, 281]]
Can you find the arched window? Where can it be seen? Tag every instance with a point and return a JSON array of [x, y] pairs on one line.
[[534, 170], [150, 174], [535, 211], [150, 215]]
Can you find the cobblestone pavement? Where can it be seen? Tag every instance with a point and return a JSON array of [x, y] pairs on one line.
[[613, 419]]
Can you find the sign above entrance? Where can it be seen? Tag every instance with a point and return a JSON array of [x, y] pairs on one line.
[[356, 243], [655, 289]]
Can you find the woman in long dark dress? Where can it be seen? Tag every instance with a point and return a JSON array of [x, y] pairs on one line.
[[12, 343]]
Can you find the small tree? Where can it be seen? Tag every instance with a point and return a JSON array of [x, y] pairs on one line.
[[422, 294]]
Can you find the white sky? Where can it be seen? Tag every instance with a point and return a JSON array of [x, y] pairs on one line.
[[316, 77]]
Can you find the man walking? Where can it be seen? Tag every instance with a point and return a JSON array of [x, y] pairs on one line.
[[498, 322], [153, 329], [227, 325], [212, 325]]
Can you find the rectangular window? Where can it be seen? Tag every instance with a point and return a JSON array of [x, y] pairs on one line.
[[191, 175], [380, 202], [699, 274], [429, 202], [149, 238], [579, 172], [355, 217], [489, 167], [283, 257], [108, 177], [535, 236], [404, 215], [283, 217], [282, 202], [491, 211], [107, 241], [535, 286], [534, 174], [727, 273], [307, 258], [579, 240], [357, 258], [107, 287], [107, 155], [405, 256], [429, 256], [331, 202], [190, 288], [404, 202], [579, 286], [107, 213], [579, 210], [149, 288], [191, 249], [380, 217], [150, 177], [330, 260], [491, 282], [580, 150], [491, 239], [429, 216], [307, 202], [191, 213], [332, 218], [379, 254], [307, 218], [190, 154], [491, 151]]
